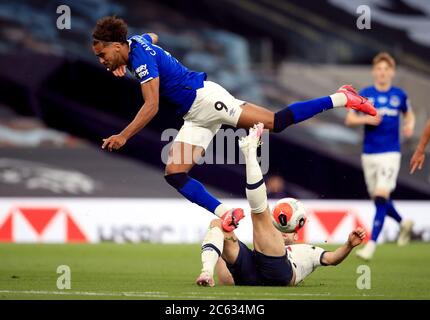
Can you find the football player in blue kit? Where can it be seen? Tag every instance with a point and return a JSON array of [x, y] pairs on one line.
[[204, 106], [381, 148]]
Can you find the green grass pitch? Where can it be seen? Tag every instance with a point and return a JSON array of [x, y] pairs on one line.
[[155, 271]]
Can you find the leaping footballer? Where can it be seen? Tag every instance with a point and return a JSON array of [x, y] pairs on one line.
[[204, 106]]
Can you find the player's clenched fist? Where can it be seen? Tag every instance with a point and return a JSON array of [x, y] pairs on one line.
[[114, 142], [356, 237]]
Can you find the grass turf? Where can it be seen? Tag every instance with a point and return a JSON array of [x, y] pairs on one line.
[[154, 271]]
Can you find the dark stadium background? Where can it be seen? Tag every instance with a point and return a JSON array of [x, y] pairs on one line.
[[57, 103]]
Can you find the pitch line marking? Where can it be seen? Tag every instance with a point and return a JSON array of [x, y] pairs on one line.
[[287, 294], [104, 294], [85, 293], [183, 295]]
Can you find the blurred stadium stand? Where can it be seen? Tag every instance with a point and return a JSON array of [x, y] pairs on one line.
[[36, 161], [267, 52]]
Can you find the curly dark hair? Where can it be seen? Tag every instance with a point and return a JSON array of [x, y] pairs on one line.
[[110, 29]]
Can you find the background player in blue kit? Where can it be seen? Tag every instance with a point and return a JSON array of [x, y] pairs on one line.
[[204, 106], [381, 148]]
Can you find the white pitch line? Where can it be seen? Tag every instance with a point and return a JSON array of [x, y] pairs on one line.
[[288, 294], [183, 295], [105, 294], [85, 293], [261, 294]]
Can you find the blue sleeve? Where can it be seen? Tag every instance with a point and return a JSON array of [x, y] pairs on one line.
[[147, 37], [144, 64]]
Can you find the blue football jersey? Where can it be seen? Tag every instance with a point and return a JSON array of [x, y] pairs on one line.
[[148, 61], [390, 104]]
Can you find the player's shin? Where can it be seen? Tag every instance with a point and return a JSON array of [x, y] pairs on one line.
[[256, 192], [194, 191], [381, 211], [301, 111], [392, 212], [255, 187], [212, 248]]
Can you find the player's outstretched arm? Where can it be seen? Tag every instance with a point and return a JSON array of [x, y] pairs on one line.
[[332, 258], [150, 91], [418, 158]]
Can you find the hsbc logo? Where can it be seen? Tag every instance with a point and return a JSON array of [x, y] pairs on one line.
[[128, 233], [40, 224]]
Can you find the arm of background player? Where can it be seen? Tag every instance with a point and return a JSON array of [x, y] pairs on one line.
[[409, 123], [224, 276], [332, 258], [418, 158], [150, 91], [354, 119]]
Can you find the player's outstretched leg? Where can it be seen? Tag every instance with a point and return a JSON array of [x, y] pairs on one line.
[[297, 112], [216, 243], [182, 157], [267, 239]]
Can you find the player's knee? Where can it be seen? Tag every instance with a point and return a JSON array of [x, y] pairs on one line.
[[381, 194], [171, 169], [216, 223], [269, 125], [176, 180], [282, 120]]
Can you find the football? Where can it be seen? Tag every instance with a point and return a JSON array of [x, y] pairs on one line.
[[288, 215]]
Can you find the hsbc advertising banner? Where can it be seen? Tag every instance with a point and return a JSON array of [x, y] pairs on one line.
[[61, 220]]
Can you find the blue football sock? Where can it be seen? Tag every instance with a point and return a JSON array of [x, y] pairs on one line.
[[192, 190], [378, 222], [300, 111], [392, 212], [197, 193]]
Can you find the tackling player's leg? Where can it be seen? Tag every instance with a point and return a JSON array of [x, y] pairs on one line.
[[216, 244], [267, 239]]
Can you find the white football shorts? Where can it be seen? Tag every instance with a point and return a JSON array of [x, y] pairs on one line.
[[213, 107], [381, 170]]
